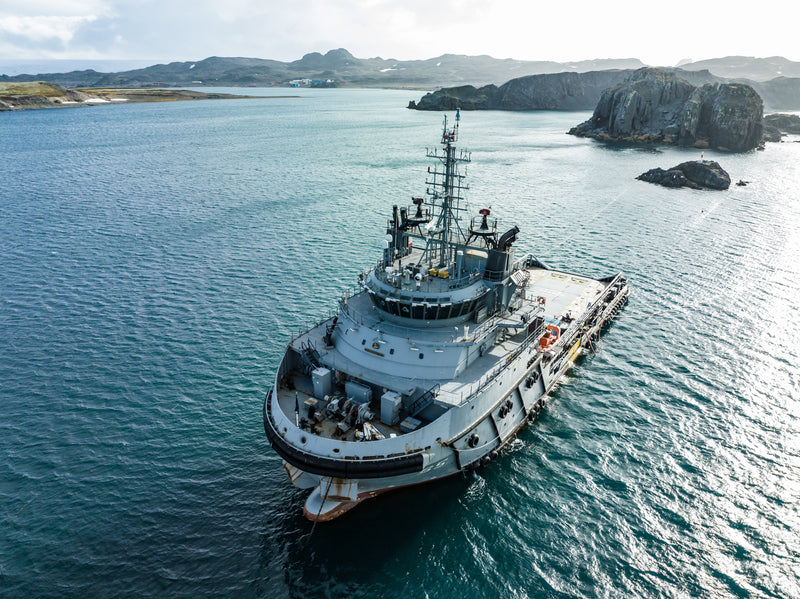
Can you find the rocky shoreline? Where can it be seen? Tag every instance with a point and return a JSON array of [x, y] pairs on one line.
[[777, 125], [41, 94]]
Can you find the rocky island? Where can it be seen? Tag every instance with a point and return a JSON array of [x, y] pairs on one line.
[[695, 174], [554, 91], [776, 125], [658, 106]]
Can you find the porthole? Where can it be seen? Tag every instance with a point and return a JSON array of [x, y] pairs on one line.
[[421, 355], [303, 439], [363, 342], [335, 450], [391, 351]]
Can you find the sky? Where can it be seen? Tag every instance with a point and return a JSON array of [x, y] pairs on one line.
[[159, 31]]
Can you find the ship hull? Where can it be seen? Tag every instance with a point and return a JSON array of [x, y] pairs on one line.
[[343, 474]]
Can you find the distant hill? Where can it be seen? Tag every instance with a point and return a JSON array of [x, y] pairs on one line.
[[337, 65], [747, 67], [776, 79], [781, 93]]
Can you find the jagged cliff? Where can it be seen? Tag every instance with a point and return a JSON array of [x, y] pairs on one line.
[[656, 105]]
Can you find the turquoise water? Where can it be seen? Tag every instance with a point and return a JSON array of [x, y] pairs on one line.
[[155, 259]]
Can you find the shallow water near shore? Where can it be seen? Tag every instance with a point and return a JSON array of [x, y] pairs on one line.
[[156, 258]]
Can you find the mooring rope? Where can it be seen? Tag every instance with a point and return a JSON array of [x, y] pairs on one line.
[[321, 504]]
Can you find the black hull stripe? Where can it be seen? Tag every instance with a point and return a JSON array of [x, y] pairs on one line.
[[307, 462]]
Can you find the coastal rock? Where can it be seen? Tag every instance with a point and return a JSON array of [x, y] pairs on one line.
[[554, 91], [658, 106], [785, 123], [772, 133], [465, 97], [695, 174]]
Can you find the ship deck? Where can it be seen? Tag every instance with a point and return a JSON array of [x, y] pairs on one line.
[[566, 296]]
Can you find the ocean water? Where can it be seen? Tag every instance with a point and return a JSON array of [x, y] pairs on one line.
[[156, 258]]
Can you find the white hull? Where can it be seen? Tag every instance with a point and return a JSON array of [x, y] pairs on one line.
[[504, 404]]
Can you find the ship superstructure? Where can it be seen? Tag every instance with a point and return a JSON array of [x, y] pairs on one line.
[[450, 347]]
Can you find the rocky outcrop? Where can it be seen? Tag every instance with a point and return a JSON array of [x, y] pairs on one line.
[[696, 174], [785, 123], [777, 125], [658, 106], [465, 97], [556, 91], [772, 133]]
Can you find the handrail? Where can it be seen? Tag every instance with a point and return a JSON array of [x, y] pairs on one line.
[[423, 401], [488, 378]]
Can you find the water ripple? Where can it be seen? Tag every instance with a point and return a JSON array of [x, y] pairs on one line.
[[155, 259]]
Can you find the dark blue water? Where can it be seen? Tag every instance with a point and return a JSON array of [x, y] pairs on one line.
[[155, 259]]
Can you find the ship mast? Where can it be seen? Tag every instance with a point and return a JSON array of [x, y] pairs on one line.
[[445, 186]]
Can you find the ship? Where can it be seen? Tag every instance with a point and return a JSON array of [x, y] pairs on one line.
[[448, 347]]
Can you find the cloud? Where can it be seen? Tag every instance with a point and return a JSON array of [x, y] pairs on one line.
[[43, 28], [401, 29], [38, 28], [43, 8]]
